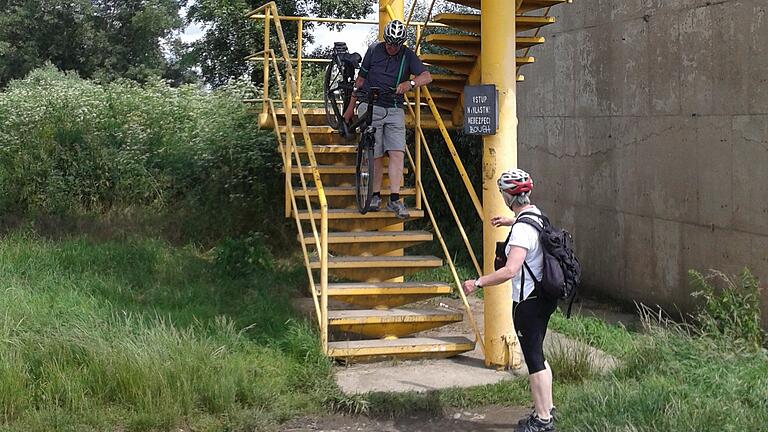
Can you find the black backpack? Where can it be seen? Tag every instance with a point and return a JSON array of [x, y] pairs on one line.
[[562, 272]]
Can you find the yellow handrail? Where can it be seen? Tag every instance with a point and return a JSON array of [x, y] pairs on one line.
[[454, 154], [289, 97], [451, 265]]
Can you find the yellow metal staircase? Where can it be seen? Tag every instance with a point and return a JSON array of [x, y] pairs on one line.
[[356, 264]]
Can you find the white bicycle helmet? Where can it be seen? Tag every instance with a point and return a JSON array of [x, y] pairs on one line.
[[394, 33], [514, 182]]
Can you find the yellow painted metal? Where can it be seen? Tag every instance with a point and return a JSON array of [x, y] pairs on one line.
[[316, 116], [452, 150], [299, 54], [417, 117], [522, 5], [386, 294], [449, 258], [470, 44], [531, 5], [292, 198], [371, 243], [373, 262], [391, 323], [266, 59], [389, 10], [405, 348], [471, 23], [461, 64], [270, 12], [528, 49], [453, 83], [499, 153], [255, 16]]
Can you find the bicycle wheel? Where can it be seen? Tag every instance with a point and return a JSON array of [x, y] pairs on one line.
[[364, 172], [333, 95]]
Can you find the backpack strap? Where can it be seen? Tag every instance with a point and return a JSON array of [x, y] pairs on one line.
[[528, 220]]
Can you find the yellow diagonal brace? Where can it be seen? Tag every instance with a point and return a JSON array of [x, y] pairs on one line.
[[454, 154]]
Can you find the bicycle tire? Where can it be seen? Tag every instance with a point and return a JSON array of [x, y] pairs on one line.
[[332, 98], [364, 172]]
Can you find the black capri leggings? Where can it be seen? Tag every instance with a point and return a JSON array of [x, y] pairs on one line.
[[531, 318]]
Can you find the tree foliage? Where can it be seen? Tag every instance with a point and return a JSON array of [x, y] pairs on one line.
[[229, 38], [102, 39]]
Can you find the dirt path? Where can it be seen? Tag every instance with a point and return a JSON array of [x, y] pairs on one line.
[[484, 419]]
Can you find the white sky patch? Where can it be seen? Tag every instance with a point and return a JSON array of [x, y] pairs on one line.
[[357, 36], [192, 33]]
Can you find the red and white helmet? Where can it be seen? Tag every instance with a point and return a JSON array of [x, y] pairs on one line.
[[514, 182]]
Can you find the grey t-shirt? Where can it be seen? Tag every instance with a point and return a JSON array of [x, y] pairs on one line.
[[385, 71]]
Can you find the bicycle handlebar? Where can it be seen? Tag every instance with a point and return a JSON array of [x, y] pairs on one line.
[[365, 120]]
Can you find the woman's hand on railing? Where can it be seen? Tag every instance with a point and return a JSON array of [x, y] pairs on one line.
[[499, 221]]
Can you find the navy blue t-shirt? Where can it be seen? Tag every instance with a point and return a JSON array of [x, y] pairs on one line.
[[385, 71]]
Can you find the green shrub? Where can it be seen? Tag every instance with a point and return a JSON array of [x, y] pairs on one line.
[[731, 309], [241, 257], [71, 146]]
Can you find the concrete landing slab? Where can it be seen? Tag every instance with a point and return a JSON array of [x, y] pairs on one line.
[[418, 376], [466, 370]]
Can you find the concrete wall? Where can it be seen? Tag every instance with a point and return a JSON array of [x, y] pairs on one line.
[[645, 125]]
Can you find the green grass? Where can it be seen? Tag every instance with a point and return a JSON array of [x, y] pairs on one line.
[[670, 379], [142, 336]]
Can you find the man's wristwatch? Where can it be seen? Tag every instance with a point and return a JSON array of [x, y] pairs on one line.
[[413, 83], [477, 283]]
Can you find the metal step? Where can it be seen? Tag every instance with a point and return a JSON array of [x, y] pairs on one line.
[[349, 219], [451, 82], [376, 268], [369, 243], [471, 22], [401, 349], [348, 191], [380, 323], [333, 169], [526, 6], [386, 294], [470, 44], [462, 64]]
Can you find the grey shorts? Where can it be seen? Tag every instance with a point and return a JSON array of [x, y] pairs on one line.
[[390, 128]]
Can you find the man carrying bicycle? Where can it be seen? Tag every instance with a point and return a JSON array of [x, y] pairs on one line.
[[389, 65]]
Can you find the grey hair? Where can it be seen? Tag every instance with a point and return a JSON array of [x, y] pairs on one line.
[[521, 199]]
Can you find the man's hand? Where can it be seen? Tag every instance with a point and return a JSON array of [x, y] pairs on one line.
[[468, 286], [498, 221], [349, 113], [403, 87]]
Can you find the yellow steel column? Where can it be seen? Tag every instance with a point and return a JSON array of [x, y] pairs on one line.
[[396, 7], [497, 59]]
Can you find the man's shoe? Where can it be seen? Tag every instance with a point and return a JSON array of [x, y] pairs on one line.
[[375, 204], [399, 208], [535, 424], [523, 421]]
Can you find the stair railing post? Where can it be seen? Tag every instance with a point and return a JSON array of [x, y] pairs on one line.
[[418, 128], [299, 55], [266, 62], [324, 272]]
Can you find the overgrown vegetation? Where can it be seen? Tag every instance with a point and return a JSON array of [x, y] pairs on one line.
[[71, 147], [703, 376], [141, 336]]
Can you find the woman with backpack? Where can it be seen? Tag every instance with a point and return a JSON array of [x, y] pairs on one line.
[[522, 262]]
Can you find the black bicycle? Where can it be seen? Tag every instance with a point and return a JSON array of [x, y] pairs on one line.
[[364, 169], [338, 85]]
